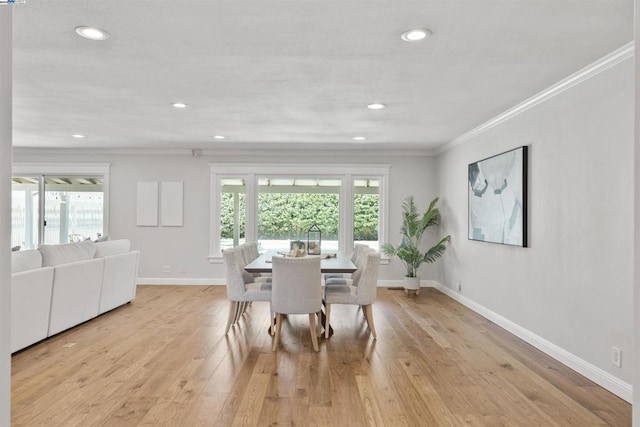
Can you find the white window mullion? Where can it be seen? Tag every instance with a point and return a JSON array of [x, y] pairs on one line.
[[383, 208], [346, 215], [41, 217], [251, 201], [214, 205]]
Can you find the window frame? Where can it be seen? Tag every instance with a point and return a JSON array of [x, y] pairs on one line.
[[251, 172], [44, 169]]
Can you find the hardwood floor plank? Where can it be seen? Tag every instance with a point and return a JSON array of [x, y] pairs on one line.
[[248, 413], [164, 360], [372, 412]]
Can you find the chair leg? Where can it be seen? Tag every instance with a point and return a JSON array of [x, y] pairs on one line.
[[368, 309], [312, 328], [326, 320], [272, 329], [233, 308], [238, 313], [274, 346]]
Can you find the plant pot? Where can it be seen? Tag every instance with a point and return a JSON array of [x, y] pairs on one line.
[[411, 283]]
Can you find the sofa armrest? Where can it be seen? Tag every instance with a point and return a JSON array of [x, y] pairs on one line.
[[119, 280], [30, 306]]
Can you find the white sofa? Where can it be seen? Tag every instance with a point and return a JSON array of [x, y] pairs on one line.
[[56, 287]]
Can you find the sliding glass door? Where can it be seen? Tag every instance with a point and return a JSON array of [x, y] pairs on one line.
[[56, 209], [73, 208], [24, 212]]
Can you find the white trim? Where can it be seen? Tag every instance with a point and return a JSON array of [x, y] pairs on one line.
[[615, 385], [179, 281], [602, 64], [298, 169], [51, 168], [400, 283], [281, 153]]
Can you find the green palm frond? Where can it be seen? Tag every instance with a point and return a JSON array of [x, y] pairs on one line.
[[437, 251], [409, 217], [388, 249]]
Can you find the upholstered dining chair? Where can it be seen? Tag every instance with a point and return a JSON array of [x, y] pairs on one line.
[[364, 294], [355, 256], [239, 292], [297, 289], [353, 278]]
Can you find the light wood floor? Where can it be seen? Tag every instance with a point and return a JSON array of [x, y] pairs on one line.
[[164, 360]]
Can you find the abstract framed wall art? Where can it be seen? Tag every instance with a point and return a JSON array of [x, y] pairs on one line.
[[498, 198]]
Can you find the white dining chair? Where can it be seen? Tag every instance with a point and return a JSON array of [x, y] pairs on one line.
[[355, 256], [296, 289], [353, 278], [363, 295], [239, 292]]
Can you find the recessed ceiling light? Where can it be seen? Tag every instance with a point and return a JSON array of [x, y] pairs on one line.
[[359, 138], [92, 33], [219, 137], [376, 106], [415, 35], [179, 105], [77, 135]]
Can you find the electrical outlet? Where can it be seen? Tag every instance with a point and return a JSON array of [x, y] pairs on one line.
[[166, 269], [616, 356], [459, 285]]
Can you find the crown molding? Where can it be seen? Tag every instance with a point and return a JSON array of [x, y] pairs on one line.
[[263, 152], [92, 151], [617, 56]]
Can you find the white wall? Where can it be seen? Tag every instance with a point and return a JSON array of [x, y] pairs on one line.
[[6, 25], [188, 246], [574, 285]]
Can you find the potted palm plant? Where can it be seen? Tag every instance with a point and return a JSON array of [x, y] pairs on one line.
[[413, 228]]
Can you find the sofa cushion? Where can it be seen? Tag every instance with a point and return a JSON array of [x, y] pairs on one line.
[[67, 252], [112, 247], [25, 260]]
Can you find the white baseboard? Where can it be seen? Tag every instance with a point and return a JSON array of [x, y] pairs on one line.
[[179, 281], [213, 281], [599, 376], [400, 283]]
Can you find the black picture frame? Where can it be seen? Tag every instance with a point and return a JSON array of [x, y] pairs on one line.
[[497, 198]]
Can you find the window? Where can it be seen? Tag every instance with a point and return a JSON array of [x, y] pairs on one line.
[[366, 212], [66, 205], [24, 212], [232, 212], [276, 204], [288, 207], [73, 207]]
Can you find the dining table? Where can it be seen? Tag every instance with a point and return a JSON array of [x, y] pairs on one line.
[[335, 262]]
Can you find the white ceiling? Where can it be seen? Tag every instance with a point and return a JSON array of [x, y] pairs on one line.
[[283, 74]]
